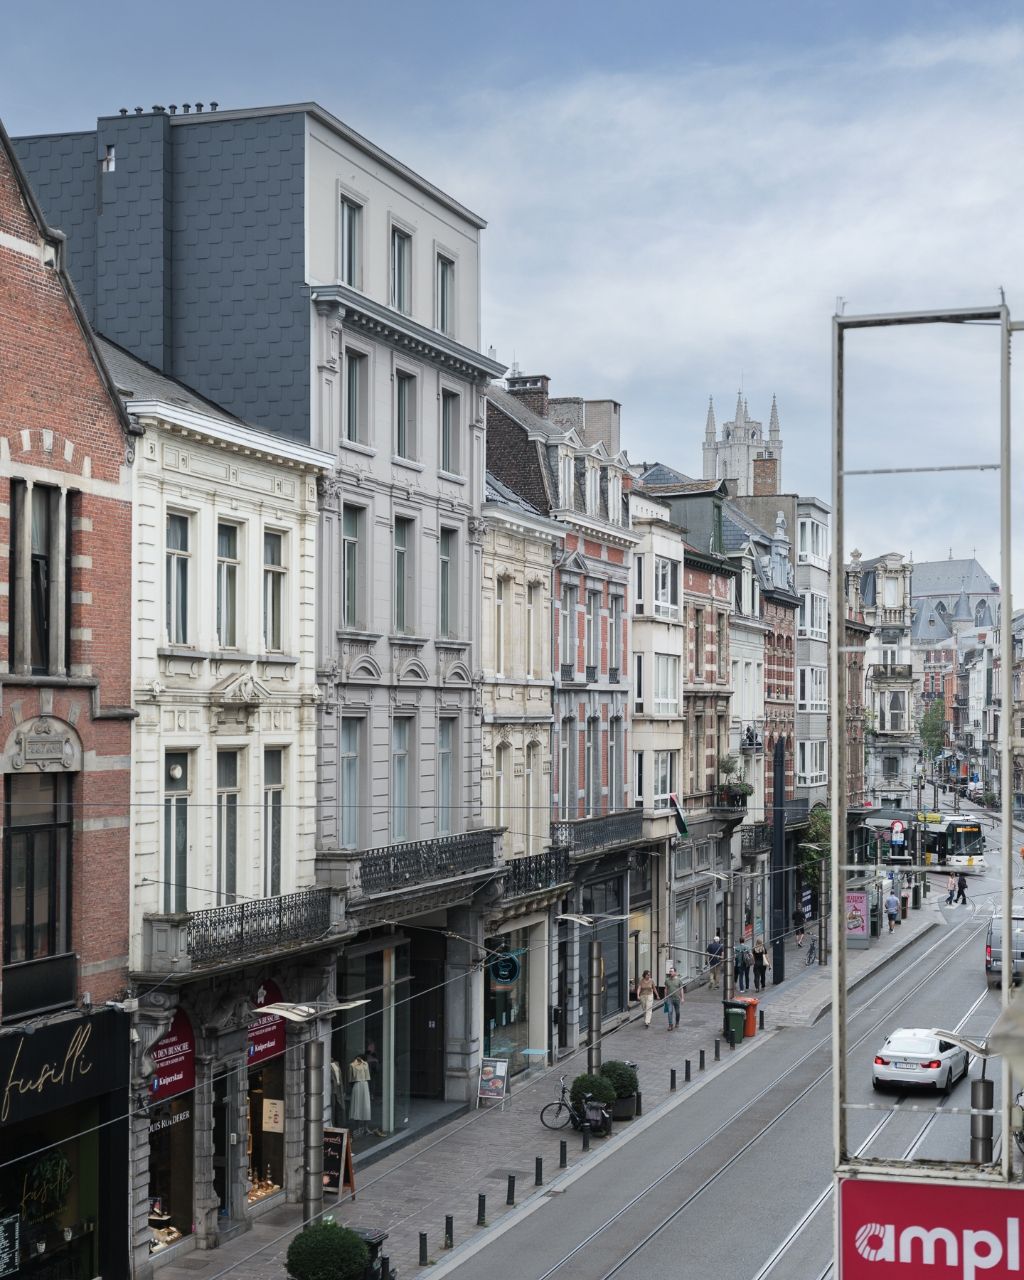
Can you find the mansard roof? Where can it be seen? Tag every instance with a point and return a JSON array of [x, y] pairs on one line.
[[929, 623], [497, 491], [947, 577]]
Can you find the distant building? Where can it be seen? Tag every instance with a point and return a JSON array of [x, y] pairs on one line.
[[743, 454]]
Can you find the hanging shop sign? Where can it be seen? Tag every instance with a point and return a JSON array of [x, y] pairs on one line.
[[65, 1062], [505, 970], [174, 1060], [267, 1036]]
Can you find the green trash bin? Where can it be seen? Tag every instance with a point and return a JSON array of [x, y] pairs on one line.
[[736, 1017]]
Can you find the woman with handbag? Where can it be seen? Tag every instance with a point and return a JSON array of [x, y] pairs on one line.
[[645, 993], [761, 963]]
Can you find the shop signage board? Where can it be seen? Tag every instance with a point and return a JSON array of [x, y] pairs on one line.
[[339, 1176], [67, 1061], [174, 1060], [267, 1032], [494, 1081], [273, 1115], [505, 970], [10, 1245], [943, 1231], [858, 931]]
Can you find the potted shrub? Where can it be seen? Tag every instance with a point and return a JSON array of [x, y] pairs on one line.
[[625, 1081], [325, 1251], [600, 1087]]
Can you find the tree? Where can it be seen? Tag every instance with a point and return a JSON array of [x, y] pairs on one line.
[[815, 846], [933, 727]]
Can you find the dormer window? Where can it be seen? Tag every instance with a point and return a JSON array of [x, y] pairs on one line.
[[593, 490], [614, 497], [566, 480]]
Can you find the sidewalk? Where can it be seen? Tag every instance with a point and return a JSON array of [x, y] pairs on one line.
[[442, 1173]]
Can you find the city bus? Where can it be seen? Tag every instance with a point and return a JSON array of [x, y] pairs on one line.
[[951, 841]]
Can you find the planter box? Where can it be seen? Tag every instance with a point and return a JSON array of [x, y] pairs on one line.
[[624, 1108]]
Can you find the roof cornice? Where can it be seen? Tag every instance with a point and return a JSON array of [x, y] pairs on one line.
[[618, 535], [240, 439], [521, 521]]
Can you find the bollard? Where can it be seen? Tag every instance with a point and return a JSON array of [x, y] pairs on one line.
[[686, 1071], [424, 1260], [385, 1266], [702, 1059], [760, 1019], [586, 1138], [510, 1198], [563, 1154], [718, 1048], [639, 1104], [449, 1231], [538, 1171], [672, 1080], [982, 1097], [481, 1210], [732, 1040]]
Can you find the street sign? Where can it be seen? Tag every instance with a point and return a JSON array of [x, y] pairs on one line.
[[948, 1231], [896, 832]]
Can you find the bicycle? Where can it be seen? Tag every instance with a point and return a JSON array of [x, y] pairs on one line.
[[812, 951], [595, 1116], [1017, 1121]]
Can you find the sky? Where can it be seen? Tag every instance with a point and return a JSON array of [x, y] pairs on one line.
[[678, 195]]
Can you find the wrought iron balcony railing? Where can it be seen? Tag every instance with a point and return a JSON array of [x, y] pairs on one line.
[[396, 866], [257, 927], [890, 671], [755, 839], [536, 872], [582, 836], [613, 675]]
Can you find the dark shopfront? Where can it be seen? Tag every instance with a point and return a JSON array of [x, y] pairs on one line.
[[64, 1145]]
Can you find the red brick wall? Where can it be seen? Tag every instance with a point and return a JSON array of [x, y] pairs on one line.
[[59, 427]]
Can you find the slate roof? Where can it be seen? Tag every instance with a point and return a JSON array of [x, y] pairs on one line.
[[928, 624], [946, 577], [496, 491], [659, 474], [142, 382], [514, 408]]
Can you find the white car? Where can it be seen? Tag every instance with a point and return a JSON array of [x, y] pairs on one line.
[[918, 1057]]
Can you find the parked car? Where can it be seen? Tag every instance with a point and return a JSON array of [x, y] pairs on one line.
[[994, 947], [921, 1058]]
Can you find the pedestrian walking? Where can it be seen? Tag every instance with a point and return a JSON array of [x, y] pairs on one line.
[[742, 960], [961, 888], [645, 993], [798, 926], [675, 994], [761, 963], [951, 886], [892, 909], [716, 950]]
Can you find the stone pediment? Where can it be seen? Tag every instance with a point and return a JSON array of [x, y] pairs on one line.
[[573, 562], [241, 691]]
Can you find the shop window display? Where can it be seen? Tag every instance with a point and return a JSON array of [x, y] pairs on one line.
[[507, 1032], [265, 1142], [170, 1172]]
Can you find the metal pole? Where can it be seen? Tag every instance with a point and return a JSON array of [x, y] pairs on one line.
[[729, 975], [313, 1172], [778, 862], [982, 1098], [1006, 692], [594, 1007]]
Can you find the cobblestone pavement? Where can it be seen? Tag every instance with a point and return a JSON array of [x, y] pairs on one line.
[[413, 1189]]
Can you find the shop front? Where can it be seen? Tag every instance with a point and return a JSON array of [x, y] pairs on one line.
[[64, 1179], [265, 1087], [171, 1135], [515, 994], [604, 899]]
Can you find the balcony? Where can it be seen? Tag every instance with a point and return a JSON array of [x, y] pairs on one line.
[[891, 671], [751, 741], [186, 941], [613, 675], [567, 673], [536, 873], [755, 839], [421, 862], [40, 986], [586, 837], [797, 811], [591, 672]]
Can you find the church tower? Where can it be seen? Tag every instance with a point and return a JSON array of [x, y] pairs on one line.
[[743, 455]]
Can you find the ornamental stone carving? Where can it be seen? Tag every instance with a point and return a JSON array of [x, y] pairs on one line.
[[45, 744]]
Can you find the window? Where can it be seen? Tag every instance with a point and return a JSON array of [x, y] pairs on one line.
[[401, 764], [638, 682], [532, 616], [502, 782], [567, 782], [531, 778], [812, 689], [37, 866], [350, 249], [109, 162], [638, 779], [351, 565], [614, 497], [593, 475], [227, 585], [401, 270], [273, 591], [664, 778], [446, 776], [356, 396], [41, 574], [703, 855], [813, 617], [450, 432], [568, 637], [812, 542], [893, 712], [699, 756], [638, 592], [593, 627], [405, 415], [351, 731], [40, 579], [403, 610], [890, 592], [698, 644], [566, 480], [615, 796], [177, 578], [890, 767], [666, 684], [445, 295], [499, 627], [446, 581], [810, 763], [273, 802], [177, 792], [615, 634], [227, 826], [666, 588], [592, 771], [721, 645]]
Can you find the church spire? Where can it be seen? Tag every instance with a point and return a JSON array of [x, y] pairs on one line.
[[709, 425], [740, 414], [773, 422]]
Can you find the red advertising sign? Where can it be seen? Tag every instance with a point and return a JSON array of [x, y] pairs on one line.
[[267, 1031], [897, 1230], [174, 1060]]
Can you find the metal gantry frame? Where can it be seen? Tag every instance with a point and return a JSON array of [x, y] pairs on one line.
[[845, 1164]]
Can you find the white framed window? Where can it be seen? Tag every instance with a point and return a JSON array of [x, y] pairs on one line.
[[638, 587], [228, 794], [614, 497], [404, 614], [666, 684], [812, 689], [568, 627], [567, 780], [178, 561], [592, 766], [810, 763], [638, 779], [227, 585], [566, 480], [531, 778], [892, 712], [502, 783], [41, 546], [698, 644], [447, 580], [721, 645], [357, 383], [615, 759], [666, 587], [533, 611], [352, 565], [638, 682], [350, 247], [350, 826], [177, 803], [499, 627], [698, 756], [450, 432], [615, 634], [593, 628], [445, 285], [812, 620], [402, 817], [405, 415], [401, 270], [273, 808], [593, 490], [446, 775], [664, 778], [812, 542], [273, 591]]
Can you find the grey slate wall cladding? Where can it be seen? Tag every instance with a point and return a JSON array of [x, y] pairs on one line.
[[195, 261]]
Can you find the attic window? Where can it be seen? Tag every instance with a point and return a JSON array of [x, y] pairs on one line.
[[109, 162]]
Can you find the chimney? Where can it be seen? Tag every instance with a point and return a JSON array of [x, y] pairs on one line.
[[532, 390]]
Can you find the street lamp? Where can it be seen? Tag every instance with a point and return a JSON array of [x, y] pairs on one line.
[[313, 1062]]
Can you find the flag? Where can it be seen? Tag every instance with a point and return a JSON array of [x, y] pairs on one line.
[[680, 817]]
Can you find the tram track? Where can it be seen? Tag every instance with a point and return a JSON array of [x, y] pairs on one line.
[[925, 959]]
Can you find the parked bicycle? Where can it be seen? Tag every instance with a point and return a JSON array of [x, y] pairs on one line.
[[1017, 1121], [594, 1115], [812, 951]]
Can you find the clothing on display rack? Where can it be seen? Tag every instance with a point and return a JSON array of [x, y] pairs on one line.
[[359, 1101]]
